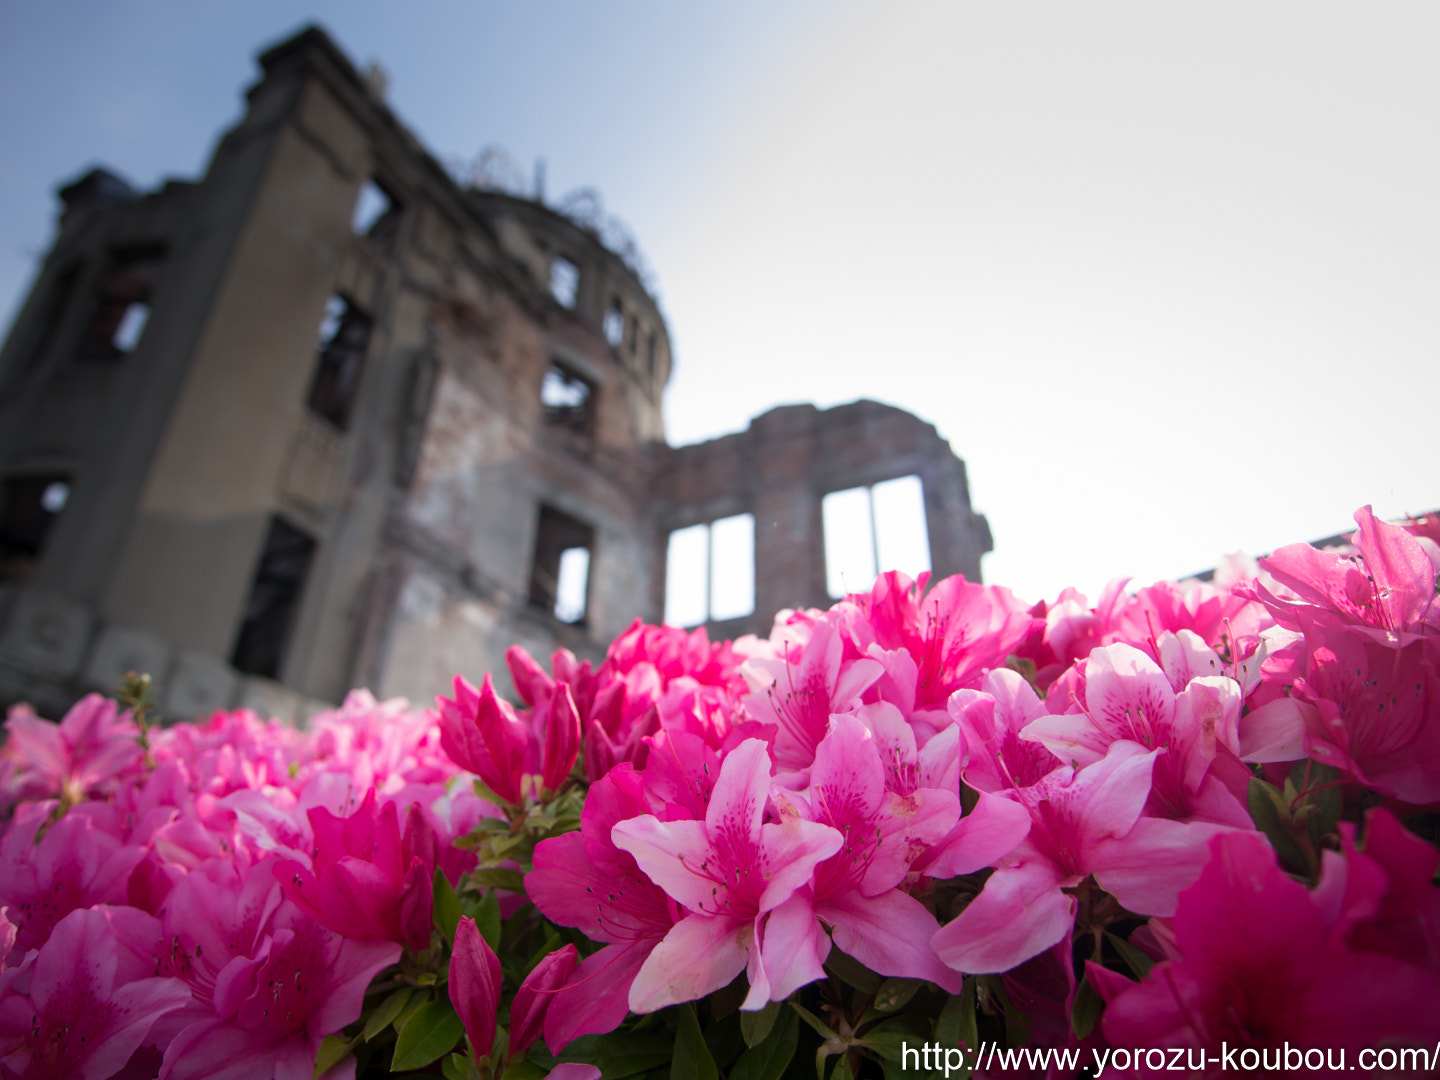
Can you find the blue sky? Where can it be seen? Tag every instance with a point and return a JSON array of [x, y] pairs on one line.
[[1164, 276]]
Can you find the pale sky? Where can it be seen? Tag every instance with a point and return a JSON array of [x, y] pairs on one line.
[[1166, 277]]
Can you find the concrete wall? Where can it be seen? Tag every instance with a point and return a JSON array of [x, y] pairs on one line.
[[780, 469], [425, 508]]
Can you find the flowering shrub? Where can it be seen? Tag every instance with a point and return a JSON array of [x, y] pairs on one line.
[[1196, 818]]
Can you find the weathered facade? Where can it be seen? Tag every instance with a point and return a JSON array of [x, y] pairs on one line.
[[193, 486]]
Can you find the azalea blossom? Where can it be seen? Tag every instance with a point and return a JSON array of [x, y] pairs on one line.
[[728, 871]]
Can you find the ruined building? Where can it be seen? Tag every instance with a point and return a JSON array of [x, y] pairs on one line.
[[193, 487]]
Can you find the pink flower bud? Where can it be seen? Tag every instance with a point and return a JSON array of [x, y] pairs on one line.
[[475, 986]]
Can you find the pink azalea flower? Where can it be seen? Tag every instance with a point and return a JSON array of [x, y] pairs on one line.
[[1254, 964], [1388, 588], [475, 986], [956, 633], [799, 694], [1129, 698], [482, 734], [857, 891], [583, 880], [1083, 823], [562, 739], [532, 1000], [991, 720], [366, 880], [728, 871], [79, 756], [1371, 710], [215, 927], [303, 983], [77, 1020], [76, 864]]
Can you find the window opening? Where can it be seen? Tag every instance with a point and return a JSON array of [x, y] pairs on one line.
[[560, 578], [564, 281], [123, 307], [634, 335], [375, 210], [687, 575], [710, 571], [614, 324], [269, 614], [344, 338], [29, 507], [871, 530], [568, 398]]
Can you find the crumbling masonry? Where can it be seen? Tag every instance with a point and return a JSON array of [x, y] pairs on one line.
[[193, 488]]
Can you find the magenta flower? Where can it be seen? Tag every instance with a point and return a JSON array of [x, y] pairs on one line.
[[532, 1000], [1372, 710], [728, 871], [583, 880], [301, 984], [475, 986], [1257, 962], [957, 632], [481, 733], [79, 1020], [799, 695], [76, 864], [562, 739], [367, 881]]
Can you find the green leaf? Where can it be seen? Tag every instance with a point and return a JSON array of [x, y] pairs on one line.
[[816, 1024], [462, 1067], [621, 1053], [692, 1056], [447, 906], [500, 878], [524, 1070], [1272, 817], [487, 920], [768, 1058], [895, 994], [1085, 1013], [432, 1030], [483, 790], [853, 972], [842, 1069], [1323, 801], [756, 1026], [333, 1049], [887, 1043], [1134, 959], [411, 1007], [388, 1012], [956, 1025]]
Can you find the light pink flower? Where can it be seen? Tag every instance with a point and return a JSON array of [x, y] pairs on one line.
[[856, 892], [728, 871], [1083, 823], [80, 756]]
